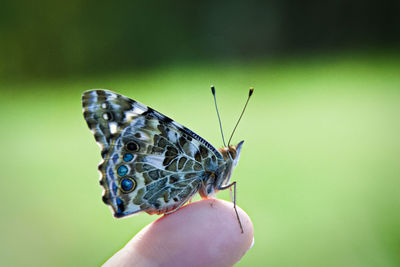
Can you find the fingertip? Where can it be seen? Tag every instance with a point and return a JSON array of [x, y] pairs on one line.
[[227, 243], [204, 233]]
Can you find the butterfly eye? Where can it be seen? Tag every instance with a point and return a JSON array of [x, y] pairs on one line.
[[127, 185], [132, 146], [232, 151]]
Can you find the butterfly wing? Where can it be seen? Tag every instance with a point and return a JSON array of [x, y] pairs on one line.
[[150, 162]]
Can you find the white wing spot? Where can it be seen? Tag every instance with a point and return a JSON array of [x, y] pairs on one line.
[[139, 110], [113, 127], [172, 136]]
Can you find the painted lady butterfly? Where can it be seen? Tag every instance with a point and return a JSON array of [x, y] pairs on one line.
[[150, 162]]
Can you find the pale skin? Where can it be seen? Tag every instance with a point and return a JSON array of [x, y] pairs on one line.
[[203, 233]]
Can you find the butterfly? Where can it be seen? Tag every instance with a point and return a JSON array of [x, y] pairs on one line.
[[150, 162]]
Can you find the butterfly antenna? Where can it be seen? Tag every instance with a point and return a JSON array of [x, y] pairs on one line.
[[245, 105], [219, 119]]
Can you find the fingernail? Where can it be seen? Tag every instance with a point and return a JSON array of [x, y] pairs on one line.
[[252, 244]]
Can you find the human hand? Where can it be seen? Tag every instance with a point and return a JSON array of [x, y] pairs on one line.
[[203, 233]]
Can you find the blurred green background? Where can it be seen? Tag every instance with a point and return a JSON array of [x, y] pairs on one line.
[[320, 168]]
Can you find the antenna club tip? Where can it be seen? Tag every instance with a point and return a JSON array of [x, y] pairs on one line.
[[251, 91], [213, 89]]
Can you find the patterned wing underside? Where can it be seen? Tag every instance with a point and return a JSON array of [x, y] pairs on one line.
[[151, 163]]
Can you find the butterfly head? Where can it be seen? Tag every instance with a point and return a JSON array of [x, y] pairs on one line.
[[232, 153], [231, 156]]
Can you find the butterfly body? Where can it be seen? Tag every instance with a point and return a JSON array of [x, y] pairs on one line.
[[150, 162]]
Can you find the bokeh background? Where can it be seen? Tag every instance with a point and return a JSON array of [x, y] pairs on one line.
[[320, 168]]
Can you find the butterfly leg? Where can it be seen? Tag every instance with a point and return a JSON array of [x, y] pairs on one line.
[[230, 192], [233, 200]]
